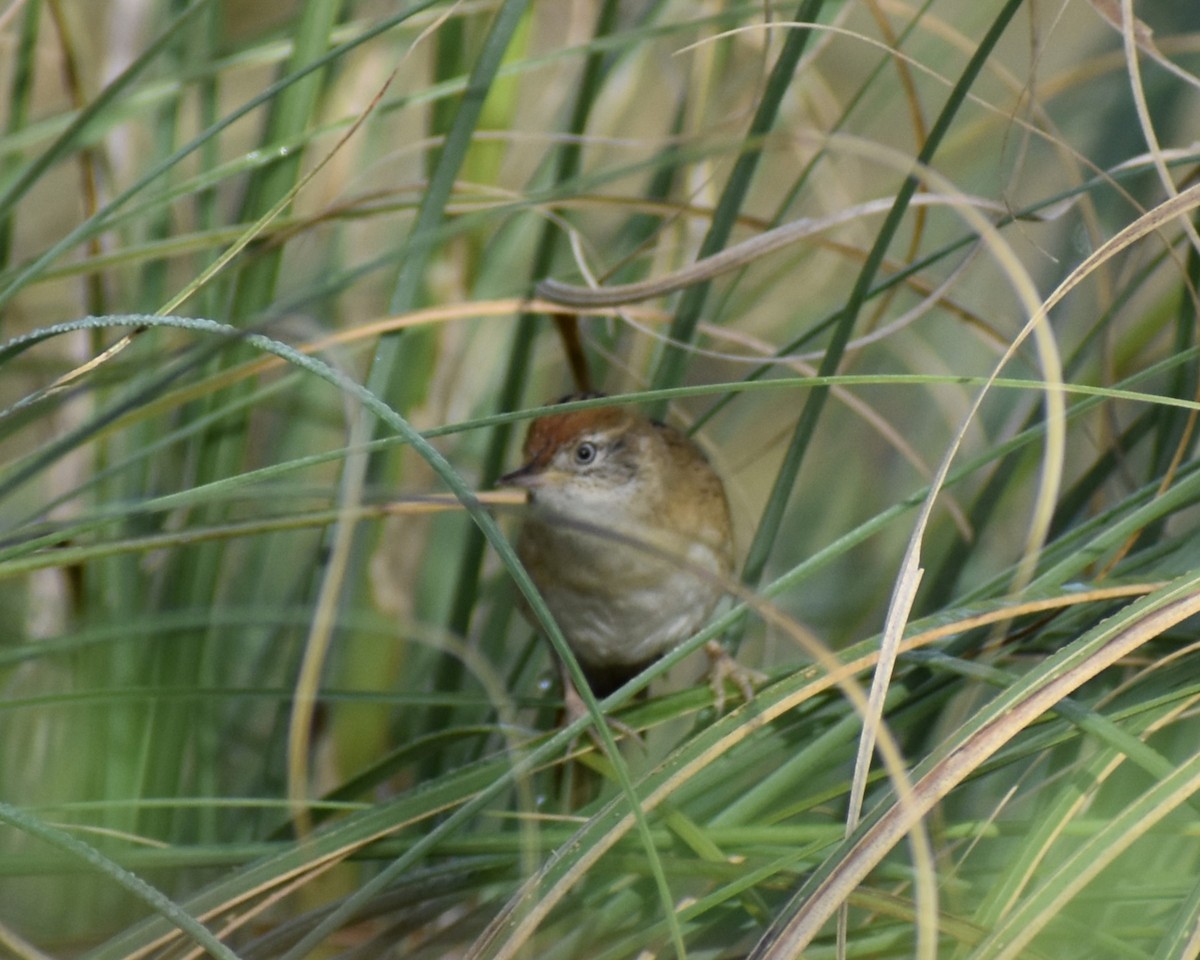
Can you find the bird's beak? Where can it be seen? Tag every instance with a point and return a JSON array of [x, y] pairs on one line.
[[526, 477]]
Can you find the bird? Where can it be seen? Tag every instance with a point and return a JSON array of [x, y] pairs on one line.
[[628, 538]]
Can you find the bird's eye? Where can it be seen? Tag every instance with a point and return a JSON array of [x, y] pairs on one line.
[[585, 453]]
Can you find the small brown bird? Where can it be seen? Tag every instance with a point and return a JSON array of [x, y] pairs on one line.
[[621, 606]]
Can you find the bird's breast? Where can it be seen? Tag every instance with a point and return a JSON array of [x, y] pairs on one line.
[[616, 602]]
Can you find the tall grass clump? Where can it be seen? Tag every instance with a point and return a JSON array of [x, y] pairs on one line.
[[922, 281]]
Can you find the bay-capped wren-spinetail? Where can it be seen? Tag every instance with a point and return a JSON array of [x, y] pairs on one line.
[[609, 470]]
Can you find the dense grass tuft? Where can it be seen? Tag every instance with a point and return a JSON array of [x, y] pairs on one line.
[[270, 329]]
